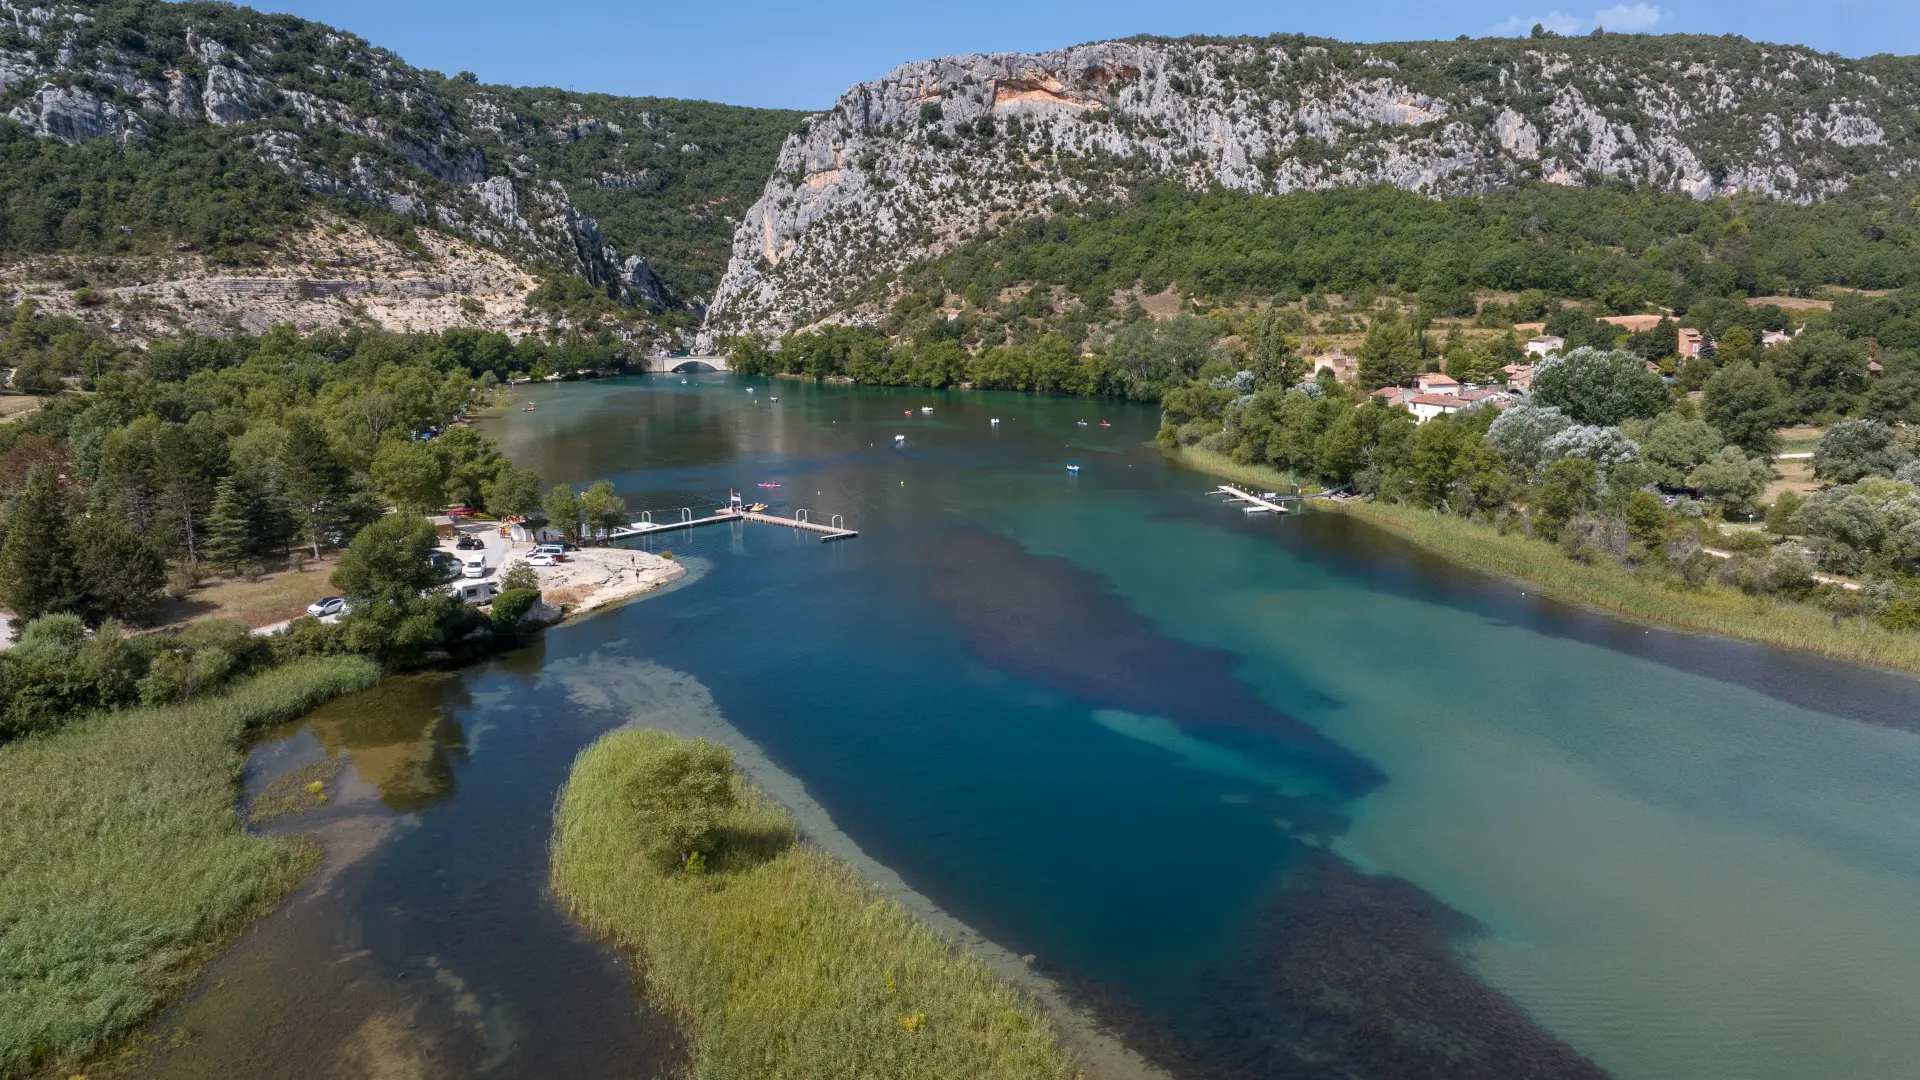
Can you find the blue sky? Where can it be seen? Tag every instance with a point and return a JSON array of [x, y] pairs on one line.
[[802, 55]]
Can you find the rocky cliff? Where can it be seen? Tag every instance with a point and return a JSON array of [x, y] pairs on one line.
[[908, 165], [498, 165]]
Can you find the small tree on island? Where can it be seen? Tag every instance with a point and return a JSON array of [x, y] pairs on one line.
[[681, 792]]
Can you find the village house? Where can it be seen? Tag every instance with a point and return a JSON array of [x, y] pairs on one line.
[[1519, 376], [1344, 367], [1491, 396], [1545, 344], [1433, 382], [1393, 395], [1693, 343], [1770, 338], [1427, 406]]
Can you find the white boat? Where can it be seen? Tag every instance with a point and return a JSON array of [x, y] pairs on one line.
[[1073, 469], [995, 421], [773, 399], [1256, 509], [926, 408], [899, 438]]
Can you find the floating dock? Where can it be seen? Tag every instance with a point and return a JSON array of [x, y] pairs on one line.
[[799, 522], [1255, 503]]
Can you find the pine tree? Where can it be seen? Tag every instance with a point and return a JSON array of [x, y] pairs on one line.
[[229, 539], [37, 574], [121, 572]]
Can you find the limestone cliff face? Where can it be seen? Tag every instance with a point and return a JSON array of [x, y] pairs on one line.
[[910, 164], [329, 110]]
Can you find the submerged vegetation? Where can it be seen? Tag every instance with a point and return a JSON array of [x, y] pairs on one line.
[[779, 960], [125, 861]]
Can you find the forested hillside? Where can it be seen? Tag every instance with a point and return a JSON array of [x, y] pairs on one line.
[[142, 128]]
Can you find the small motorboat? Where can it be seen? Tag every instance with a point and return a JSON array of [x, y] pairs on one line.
[[773, 399], [1081, 423], [899, 438], [1072, 468], [757, 508], [1103, 423], [926, 408], [995, 421]]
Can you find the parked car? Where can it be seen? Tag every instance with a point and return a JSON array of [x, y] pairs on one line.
[[474, 567], [327, 605], [558, 551], [542, 558], [470, 543]]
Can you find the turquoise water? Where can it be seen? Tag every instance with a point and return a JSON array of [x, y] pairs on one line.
[[1276, 796]]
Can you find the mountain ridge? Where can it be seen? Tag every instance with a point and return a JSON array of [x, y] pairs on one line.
[[910, 164]]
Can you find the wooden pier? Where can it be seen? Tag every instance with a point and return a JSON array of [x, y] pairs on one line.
[[649, 528], [1254, 502]]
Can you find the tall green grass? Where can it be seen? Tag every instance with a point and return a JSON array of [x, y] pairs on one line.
[[1262, 477], [1712, 609], [778, 959], [122, 859]]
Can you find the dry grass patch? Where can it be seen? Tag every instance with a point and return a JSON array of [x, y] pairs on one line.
[[275, 597], [780, 962], [1792, 475]]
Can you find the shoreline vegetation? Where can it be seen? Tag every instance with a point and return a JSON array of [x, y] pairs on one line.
[[778, 959], [126, 863], [1710, 609]]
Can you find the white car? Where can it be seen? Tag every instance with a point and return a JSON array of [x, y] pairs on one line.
[[542, 558], [474, 567], [558, 551], [327, 605]]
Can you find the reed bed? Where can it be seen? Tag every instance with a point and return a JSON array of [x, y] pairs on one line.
[[778, 960], [122, 860], [1711, 609], [1262, 477]]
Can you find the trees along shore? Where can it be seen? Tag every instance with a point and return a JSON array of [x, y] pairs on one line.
[[120, 749]]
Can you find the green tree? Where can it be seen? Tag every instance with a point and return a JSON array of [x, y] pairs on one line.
[[1598, 387], [603, 510], [1569, 487], [513, 491], [562, 508], [316, 481], [37, 572], [1745, 404], [1731, 479], [121, 574], [1674, 445], [1273, 361], [1646, 519], [1823, 372], [399, 612], [410, 476], [680, 793], [1390, 356], [229, 527]]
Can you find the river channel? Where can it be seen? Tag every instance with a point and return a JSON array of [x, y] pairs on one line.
[[1274, 796]]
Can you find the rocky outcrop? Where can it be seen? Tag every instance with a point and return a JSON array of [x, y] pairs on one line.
[[413, 141], [910, 164]]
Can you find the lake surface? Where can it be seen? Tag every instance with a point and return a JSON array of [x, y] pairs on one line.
[[1278, 797]]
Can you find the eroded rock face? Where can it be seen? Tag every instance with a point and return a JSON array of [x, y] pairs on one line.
[[417, 153], [910, 164]]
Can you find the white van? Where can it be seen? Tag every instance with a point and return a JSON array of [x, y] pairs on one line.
[[474, 567]]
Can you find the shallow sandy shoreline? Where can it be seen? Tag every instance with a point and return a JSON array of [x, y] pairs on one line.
[[668, 700]]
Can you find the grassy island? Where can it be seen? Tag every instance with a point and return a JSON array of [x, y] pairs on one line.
[[778, 960], [1708, 608], [123, 863]]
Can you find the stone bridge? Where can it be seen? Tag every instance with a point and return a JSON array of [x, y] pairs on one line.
[[681, 365]]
